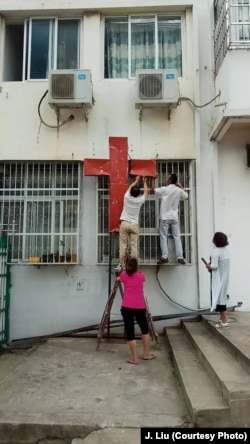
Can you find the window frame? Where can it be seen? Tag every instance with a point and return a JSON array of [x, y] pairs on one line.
[[149, 236], [53, 46], [59, 229], [181, 15]]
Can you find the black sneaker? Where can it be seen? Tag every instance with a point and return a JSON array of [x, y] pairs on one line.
[[181, 261], [162, 261]]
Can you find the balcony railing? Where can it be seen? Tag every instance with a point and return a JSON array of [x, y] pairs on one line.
[[232, 27]]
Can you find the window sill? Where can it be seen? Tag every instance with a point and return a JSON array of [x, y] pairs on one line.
[[42, 264]]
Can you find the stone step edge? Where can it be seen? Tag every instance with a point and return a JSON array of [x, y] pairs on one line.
[[218, 362], [215, 406], [228, 343]]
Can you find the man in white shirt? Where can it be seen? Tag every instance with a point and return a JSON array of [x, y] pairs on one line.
[[171, 194], [129, 228]]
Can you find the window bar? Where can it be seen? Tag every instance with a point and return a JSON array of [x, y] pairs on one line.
[[71, 211], [29, 48], [41, 212], [61, 205], [79, 187], [50, 218], [24, 229], [129, 47], [78, 212], [17, 205], [25, 50], [43, 207], [52, 53], [156, 43], [67, 211], [53, 210], [79, 33], [31, 236], [37, 207]]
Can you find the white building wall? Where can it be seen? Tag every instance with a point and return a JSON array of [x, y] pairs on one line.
[[204, 160], [233, 82], [51, 299], [234, 209], [232, 179]]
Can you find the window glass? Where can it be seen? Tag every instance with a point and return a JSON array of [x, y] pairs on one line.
[[67, 44], [34, 46], [169, 43], [142, 42], [116, 48], [38, 217], [41, 49]]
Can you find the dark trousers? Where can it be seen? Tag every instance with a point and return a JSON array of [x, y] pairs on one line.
[[129, 316]]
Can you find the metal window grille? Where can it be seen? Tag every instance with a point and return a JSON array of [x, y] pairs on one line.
[[232, 27], [39, 211], [5, 283], [149, 244], [239, 20]]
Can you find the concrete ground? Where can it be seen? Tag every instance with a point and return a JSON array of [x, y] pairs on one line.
[[66, 391]]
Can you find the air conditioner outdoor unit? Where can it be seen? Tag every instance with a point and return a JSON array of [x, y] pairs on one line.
[[70, 88], [157, 88]]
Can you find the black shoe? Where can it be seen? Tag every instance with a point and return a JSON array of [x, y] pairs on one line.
[[181, 261], [162, 261]]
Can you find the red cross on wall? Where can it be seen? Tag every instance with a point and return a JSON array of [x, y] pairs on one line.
[[116, 167]]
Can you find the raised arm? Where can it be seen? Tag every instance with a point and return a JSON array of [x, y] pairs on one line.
[[185, 194], [145, 186], [136, 181], [179, 185], [153, 184]]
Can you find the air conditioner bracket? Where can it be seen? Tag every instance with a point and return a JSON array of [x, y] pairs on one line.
[[141, 106], [86, 112], [140, 113]]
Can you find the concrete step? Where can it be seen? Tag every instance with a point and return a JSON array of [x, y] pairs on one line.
[[236, 339], [216, 386], [230, 378], [205, 405]]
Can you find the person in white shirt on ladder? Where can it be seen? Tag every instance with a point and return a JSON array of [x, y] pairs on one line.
[[170, 195], [129, 227]]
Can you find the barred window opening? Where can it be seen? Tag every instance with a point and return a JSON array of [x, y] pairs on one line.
[[149, 242], [39, 211], [232, 27]]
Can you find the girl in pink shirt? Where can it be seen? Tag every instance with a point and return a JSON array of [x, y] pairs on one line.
[[134, 307]]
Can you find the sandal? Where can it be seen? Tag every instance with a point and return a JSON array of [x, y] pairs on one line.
[[221, 325], [150, 357], [130, 361]]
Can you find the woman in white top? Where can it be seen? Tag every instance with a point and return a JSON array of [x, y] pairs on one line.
[[219, 267]]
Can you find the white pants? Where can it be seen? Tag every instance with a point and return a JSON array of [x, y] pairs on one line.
[[175, 231]]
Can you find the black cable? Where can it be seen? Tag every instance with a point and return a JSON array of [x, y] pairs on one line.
[[170, 299], [69, 119], [198, 106]]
